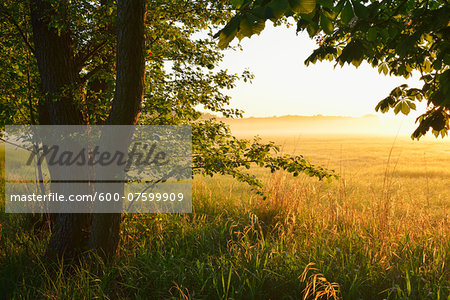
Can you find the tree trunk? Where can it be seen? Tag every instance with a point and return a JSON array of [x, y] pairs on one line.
[[126, 106], [54, 55]]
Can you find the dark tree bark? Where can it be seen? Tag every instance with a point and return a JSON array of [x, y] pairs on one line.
[[59, 76], [54, 55], [59, 71], [96, 87], [126, 105]]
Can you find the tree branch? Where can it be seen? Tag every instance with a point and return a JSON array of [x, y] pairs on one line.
[[88, 51], [17, 145], [393, 14], [91, 73]]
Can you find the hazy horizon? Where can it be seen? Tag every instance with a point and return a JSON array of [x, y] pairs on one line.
[[372, 125]]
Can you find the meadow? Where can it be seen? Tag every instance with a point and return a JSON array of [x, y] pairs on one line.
[[380, 231]]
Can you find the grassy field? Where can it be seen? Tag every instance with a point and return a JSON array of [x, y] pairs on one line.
[[379, 232]]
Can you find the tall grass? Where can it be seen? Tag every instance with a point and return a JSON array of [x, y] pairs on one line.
[[308, 240]]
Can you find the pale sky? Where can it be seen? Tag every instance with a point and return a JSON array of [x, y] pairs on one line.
[[283, 85]]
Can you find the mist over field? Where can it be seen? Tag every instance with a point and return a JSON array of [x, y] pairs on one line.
[[337, 125], [367, 151]]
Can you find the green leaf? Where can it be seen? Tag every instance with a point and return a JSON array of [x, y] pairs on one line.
[[302, 6], [397, 109], [237, 3], [327, 3], [302, 24], [312, 29], [372, 34], [279, 7], [357, 62], [360, 10], [258, 24], [352, 53], [405, 45], [262, 12], [447, 59], [338, 7], [405, 108], [383, 68], [437, 64], [326, 24], [426, 66], [245, 28], [330, 15], [250, 24], [396, 92], [227, 34], [347, 13], [392, 31], [385, 104]]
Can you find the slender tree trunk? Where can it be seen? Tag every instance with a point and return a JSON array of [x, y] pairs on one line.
[[59, 76], [126, 105], [130, 63]]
